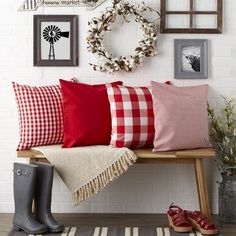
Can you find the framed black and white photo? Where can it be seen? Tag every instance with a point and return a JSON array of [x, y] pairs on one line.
[[191, 58], [55, 40]]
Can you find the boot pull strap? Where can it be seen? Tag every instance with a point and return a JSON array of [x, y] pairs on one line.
[[21, 172]]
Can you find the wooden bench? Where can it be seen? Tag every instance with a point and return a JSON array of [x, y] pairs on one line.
[[194, 157]]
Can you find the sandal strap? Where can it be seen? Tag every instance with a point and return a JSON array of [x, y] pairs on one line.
[[172, 207], [179, 221], [201, 219], [177, 215]]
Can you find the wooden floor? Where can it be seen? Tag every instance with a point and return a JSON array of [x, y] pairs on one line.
[[113, 220]]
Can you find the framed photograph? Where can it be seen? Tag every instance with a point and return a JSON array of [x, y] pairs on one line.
[[55, 40], [191, 58]]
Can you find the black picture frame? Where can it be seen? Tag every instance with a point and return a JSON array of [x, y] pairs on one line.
[[198, 64], [73, 37]]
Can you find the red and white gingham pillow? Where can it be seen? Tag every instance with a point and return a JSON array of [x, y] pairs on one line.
[[40, 115], [132, 116]]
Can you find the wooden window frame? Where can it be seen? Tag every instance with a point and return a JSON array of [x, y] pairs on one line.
[[192, 13]]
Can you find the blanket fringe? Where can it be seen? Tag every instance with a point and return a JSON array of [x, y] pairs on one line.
[[111, 173]]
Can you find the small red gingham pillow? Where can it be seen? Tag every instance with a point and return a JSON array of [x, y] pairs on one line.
[[40, 115], [132, 116]]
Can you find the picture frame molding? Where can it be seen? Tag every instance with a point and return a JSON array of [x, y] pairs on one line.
[[178, 45], [73, 61]]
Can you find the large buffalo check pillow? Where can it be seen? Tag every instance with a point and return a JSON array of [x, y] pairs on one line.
[[132, 116], [40, 115]]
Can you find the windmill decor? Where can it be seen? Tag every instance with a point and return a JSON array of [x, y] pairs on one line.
[[52, 34], [55, 40]]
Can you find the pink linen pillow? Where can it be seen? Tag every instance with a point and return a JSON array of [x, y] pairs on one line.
[[181, 120]]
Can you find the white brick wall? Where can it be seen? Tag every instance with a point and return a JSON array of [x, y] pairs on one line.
[[144, 188]]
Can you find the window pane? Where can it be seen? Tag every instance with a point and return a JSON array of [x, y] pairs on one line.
[[177, 21], [205, 5], [205, 21], [180, 5]]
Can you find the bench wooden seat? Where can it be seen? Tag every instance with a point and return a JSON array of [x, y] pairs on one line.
[[194, 157]]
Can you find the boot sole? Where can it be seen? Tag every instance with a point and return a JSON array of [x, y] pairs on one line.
[[18, 228], [57, 230]]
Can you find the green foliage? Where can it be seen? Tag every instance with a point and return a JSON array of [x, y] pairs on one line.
[[223, 132]]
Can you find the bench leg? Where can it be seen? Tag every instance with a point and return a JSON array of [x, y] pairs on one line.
[[202, 188]]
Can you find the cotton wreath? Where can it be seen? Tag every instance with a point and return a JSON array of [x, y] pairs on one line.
[[99, 25]]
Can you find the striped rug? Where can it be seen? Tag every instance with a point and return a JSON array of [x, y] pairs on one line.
[[114, 231]]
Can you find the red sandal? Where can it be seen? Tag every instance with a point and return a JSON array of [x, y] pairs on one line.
[[178, 219], [201, 223]]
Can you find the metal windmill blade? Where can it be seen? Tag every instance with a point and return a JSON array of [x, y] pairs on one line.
[[52, 34]]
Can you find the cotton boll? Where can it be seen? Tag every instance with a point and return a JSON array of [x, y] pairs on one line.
[[140, 7]]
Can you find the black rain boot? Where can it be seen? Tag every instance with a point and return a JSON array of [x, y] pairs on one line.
[[43, 197], [24, 187]]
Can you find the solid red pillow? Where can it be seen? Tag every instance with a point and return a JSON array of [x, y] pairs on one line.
[[87, 115]]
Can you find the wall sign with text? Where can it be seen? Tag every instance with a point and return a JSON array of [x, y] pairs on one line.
[[32, 5]]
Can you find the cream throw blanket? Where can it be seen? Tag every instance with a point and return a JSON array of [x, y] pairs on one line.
[[87, 170]]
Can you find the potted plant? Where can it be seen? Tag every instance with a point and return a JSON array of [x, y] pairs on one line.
[[223, 132]]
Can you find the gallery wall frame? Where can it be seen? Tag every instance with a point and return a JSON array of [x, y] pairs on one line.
[[192, 14], [55, 40], [191, 58]]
